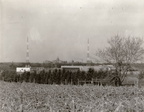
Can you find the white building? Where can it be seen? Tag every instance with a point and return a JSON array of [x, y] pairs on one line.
[[22, 69], [86, 68]]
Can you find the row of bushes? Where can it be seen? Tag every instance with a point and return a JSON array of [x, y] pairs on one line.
[[56, 76]]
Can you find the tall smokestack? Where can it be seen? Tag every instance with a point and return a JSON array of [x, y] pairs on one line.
[[27, 52]]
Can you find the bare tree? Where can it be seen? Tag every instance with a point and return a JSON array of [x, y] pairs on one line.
[[122, 52]]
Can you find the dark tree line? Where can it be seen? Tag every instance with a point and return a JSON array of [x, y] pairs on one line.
[[56, 76]]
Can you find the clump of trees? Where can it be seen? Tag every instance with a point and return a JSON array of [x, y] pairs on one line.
[[56, 76], [122, 52]]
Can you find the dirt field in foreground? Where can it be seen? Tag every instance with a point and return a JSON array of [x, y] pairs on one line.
[[29, 97]]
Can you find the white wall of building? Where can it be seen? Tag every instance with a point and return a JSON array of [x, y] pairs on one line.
[[22, 69]]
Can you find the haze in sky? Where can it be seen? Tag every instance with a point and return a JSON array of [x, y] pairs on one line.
[[61, 28]]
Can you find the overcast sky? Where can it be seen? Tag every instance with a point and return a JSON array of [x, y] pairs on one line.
[[61, 28]]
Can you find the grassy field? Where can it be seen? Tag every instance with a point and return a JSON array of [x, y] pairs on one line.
[[29, 97]]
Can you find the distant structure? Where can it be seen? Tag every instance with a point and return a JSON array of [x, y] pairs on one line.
[[88, 56], [56, 61], [71, 68], [20, 70], [86, 68], [27, 53], [27, 68]]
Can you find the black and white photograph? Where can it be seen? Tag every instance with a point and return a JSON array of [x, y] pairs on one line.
[[71, 55]]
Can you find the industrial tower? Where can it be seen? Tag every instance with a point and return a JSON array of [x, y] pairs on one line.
[[88, 56], [27, 53]]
